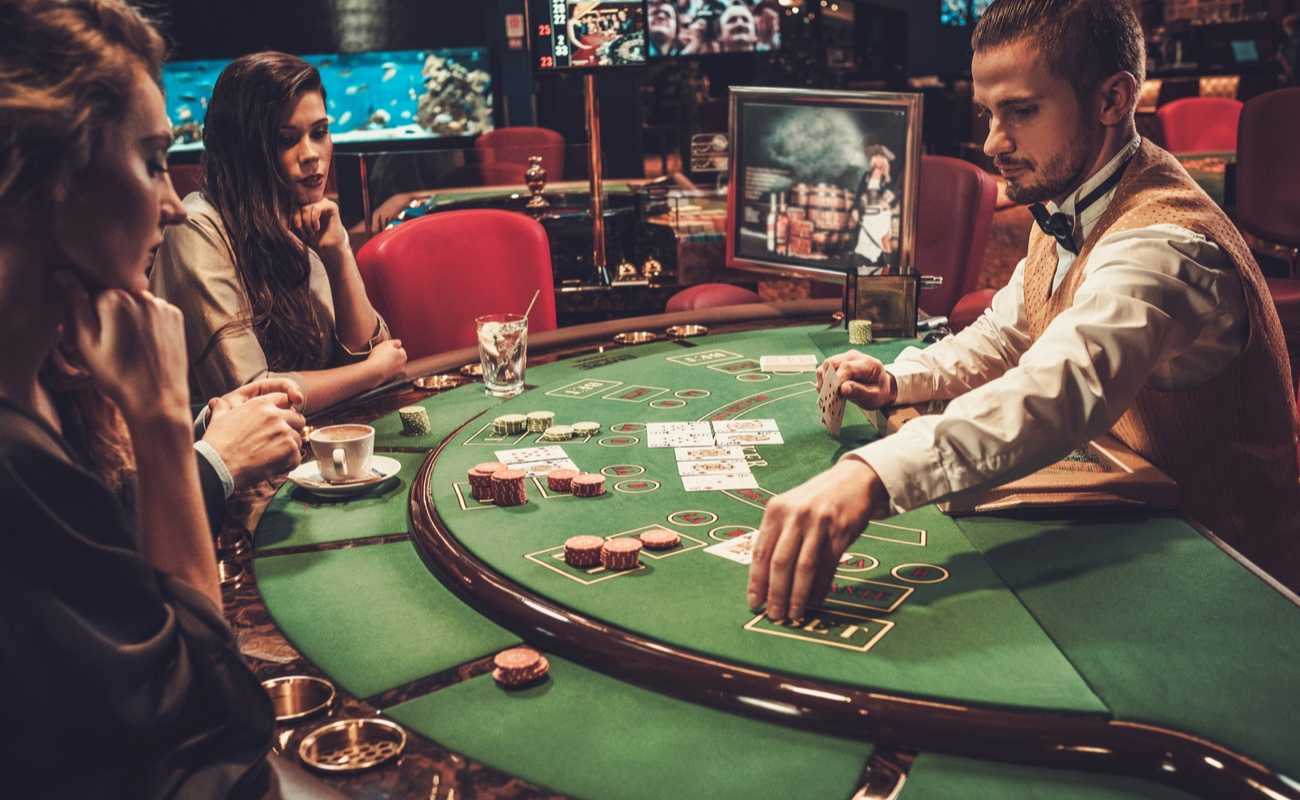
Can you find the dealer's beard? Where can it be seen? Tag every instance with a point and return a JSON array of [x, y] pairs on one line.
[[1055, 179]]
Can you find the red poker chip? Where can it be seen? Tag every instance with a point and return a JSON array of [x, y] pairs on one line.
[[487, 468], [587, 484], [660, 539], [561, 480], [620, 553], [583, 551], [508, 487]]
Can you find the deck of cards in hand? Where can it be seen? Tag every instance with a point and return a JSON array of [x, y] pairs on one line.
[[829, 401]]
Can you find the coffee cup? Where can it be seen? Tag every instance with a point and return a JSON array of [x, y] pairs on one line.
[[343, 451]]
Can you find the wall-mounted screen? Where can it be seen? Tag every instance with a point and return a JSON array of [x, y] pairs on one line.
[[373, 96], [705, 27], [586, 34], [823, 182]]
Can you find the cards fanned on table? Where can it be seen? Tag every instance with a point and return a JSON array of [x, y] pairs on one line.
[[679, 434], [735, 467], [740, 549], [536, 460], [786, 364], [829, 401], [718, 483], [748, 438], [745, 426], [710, 454]]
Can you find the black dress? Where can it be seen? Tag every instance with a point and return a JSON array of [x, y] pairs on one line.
[[119, 680]]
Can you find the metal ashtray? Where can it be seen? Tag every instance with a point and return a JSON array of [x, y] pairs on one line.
[[635, 337], [474, 370], [437, 383], [686, 331], [351, 745], [298, 696]]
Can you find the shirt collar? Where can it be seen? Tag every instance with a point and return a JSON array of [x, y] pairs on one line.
[[1092, 212]]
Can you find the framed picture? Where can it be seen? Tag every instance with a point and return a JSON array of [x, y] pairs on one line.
[[823, 184]]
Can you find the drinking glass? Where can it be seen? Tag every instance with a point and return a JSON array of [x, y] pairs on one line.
[[503, 352]]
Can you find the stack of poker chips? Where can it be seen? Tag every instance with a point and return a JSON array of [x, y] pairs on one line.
[[415, 420], [519, 666], [587, 484], [859, 331], [510, 425], [583, 551], [560, 480], [584, 429], [539, 421], [508, 487], [660, 539], [621, 553], [480, 479], [558, 433]]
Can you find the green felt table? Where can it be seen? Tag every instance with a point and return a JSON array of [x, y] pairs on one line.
[[1101, 617]]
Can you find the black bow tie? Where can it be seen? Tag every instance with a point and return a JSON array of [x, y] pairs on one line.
[[1061, 226]]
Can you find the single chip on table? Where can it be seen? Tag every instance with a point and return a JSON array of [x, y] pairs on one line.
[[583, 551]]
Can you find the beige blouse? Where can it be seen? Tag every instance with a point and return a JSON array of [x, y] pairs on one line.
[[195, 270]]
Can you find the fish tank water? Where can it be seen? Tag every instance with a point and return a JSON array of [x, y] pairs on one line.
[[375, 96]]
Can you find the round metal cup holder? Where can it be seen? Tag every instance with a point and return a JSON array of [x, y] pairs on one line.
[[351, 745], [686, 331], [635, 337], [437, 383], [298, 696]]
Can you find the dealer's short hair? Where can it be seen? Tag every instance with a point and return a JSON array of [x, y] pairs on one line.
[[1082, 41]]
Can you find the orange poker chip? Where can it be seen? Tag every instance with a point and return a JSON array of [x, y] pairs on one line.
[[660, 539]]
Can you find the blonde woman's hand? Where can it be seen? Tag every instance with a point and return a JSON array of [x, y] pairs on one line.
[[134, 348], [320, 226], [388, 358]]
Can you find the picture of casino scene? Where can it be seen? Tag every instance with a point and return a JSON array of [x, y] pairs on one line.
[[479, 408], [702, 27], [605, 33], [819, 185]]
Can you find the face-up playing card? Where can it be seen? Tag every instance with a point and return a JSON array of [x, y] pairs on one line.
[[737, 467], [678, 434], [710, 453], [804, 363], [744, 426], [718, 483], [746, 438], [829, 402], [528, 455], [740, 549], [543, 467]]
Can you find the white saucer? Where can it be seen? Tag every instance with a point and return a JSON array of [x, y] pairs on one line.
[[307, 476]]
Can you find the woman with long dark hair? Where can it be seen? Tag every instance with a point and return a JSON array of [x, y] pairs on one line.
[[120, 667], [262, 268]]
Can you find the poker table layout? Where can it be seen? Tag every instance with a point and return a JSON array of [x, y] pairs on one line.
[[1056, 654]]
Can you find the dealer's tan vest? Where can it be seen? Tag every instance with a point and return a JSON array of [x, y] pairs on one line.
[[1231, 442]]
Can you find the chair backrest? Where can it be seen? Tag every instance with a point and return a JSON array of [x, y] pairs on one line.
[[1268, 167], [1199, 124], [515, 145], [952, 227], [432, 276], [186, 178]]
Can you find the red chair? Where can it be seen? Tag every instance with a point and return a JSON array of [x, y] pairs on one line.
[[432, 276], [505, 151], [1200, 124], [710, 295], [956, 211]]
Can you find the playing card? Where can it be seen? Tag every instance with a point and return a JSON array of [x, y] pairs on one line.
[[527, 455], [543, 467], [745, 426], [746, 438], [718, 483], [678, 434], [710, 453], [740, 549], [829, 402], [739, 467], [802, 363]]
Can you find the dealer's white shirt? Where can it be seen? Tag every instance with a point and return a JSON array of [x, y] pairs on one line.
[[1159, 305]]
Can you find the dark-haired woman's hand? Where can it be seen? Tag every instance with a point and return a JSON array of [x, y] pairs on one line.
[[388, 359], [320, 227], [134, 348]]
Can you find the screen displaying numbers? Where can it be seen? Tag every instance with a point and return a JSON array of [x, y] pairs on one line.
[[586, 34]]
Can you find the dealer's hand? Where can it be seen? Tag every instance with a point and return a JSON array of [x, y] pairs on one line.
[[863, 379], [804, 533]]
